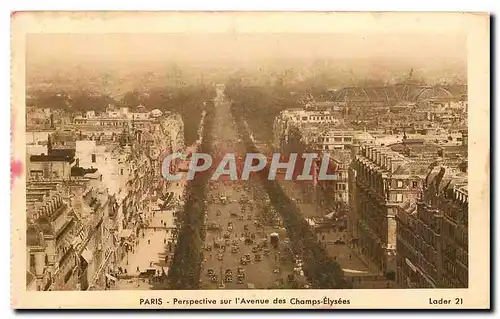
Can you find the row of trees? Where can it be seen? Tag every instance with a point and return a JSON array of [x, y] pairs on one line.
[[322, 271], [186, 265], [260, 106]]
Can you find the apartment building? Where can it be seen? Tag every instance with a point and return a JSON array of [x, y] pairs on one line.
[[299, 118], [381, 181], [51, 262], [432, 236]]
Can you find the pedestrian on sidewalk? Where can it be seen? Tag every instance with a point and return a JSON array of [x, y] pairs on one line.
[[164, 240], [149, 241], [138, 269]]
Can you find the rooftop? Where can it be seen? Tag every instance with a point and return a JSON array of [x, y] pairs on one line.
[[51, 158], [418, 168]]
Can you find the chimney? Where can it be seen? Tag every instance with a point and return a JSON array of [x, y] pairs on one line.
[[395, 163], [368, 150], [354, 150], [383, 160]]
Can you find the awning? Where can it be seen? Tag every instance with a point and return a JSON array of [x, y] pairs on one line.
[[125, 233], [87, 255], [111, 277], [354, 271]]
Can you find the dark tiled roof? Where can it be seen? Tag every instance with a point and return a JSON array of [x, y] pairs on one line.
[[418, 168], [51, 158], [33, 236], [45, 225]]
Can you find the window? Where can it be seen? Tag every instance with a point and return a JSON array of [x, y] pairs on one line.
[[93, 158], [399, 197], [338, 139], [400, 184], [347, 139], [414, 184]]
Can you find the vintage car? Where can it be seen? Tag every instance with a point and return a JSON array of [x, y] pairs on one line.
[[267, 252], [227, 235], [213, 226], [223, 199], [234, 250], [241, 270], [241, 280], [210, 271], [229, 272], [258, 257], [248, 258], [255, 249], [220, 257], [229, 278], [214, 278], [243, 261]]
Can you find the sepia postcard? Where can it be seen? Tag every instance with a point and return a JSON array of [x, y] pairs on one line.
[[250, 160]]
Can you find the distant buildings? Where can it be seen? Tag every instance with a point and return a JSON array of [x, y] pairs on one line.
[[395, 94], [114, 120], [296, 118]]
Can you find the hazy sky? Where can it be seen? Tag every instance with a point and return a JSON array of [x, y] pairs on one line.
[[48, 48]]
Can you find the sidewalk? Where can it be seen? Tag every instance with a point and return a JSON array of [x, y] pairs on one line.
[[144, 253], [153, 252]]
